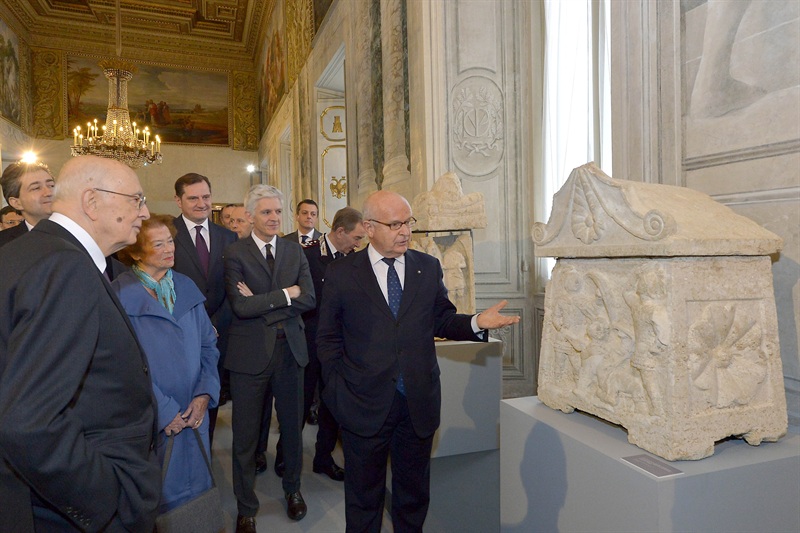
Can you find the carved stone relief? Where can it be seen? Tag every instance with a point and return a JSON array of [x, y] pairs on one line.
[[682, 350], [478, 139], [455, 254], [245, 111], [446, 207], [444, 213]]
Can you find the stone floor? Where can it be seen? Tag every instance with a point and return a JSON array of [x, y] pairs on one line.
[[324, 497]]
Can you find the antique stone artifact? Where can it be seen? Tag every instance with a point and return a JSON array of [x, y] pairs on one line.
[[660, 315], [446, 207], [445, 217]]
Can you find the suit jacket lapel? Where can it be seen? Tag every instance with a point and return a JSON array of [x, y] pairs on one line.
[[55, 229], [258, 257], [185, 240], [410, 284], [217, 245], [365, 277]]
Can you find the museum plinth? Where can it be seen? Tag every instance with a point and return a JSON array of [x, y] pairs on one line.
[[567, 472]]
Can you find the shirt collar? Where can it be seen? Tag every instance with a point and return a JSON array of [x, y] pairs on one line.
[[375, 256], [261, 243], [331, 248], [190, 225], [83, 237]]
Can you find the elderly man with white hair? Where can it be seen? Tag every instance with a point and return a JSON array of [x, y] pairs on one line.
[[76, 401]]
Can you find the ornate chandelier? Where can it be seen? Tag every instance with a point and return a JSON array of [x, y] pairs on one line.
[[118, 138]]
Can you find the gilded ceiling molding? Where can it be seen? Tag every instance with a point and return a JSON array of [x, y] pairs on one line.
[[225, 35], [299, 34], [245, 111], [48, 98]]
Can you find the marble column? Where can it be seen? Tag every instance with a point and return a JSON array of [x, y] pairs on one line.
[[396, 175], [366, 164]]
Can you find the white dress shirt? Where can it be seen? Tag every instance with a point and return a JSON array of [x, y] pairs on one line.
[[262, 245], [83, 237], [193, 232], [381, 269]]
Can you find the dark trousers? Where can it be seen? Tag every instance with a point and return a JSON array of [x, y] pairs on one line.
[[283, 378], [365, 478], [327, 427]]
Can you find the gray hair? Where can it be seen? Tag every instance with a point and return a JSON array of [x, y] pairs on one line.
[[259, 191]]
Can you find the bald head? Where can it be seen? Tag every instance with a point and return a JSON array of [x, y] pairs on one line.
[[379, 201], [382, 209], [103, 197]]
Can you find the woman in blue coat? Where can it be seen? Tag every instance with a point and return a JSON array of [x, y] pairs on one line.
[[167, 313]]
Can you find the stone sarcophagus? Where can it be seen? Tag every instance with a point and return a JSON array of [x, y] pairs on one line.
[[660, 315]]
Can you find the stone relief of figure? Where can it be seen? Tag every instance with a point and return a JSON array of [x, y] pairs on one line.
[[651, 329], [456, 260], [571, 316], [453, 266]]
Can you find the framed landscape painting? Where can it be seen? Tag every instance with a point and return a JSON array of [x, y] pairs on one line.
[[179, 105], [9, 74]]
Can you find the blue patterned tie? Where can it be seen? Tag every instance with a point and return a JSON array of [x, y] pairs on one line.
[[395, 293]]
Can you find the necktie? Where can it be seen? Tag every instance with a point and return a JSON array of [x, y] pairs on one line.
[[337, 255], [303, 239], [202, 249], [270, 258], [107, 275], [395, 293]]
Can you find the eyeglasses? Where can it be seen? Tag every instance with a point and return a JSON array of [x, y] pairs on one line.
[[140, 199], [394, 226]]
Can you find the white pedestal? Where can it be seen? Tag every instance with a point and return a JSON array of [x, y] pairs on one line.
[[562, 472], [465, 493]]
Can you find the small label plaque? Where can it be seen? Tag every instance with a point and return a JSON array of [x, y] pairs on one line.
[[652, 465]]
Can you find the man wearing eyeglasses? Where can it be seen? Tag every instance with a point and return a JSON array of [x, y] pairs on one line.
[[76, 402], [381, 309], [28, 188]]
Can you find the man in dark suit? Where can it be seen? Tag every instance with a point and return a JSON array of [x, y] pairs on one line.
[[381, 309], [28, 188], [76, 403], [200, 258], [306, 220], [269, 286], [346, 234]]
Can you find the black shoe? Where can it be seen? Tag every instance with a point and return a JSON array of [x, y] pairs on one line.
[[245, 524], [296, 505], [261, 462], [280, 468], [333, 471]]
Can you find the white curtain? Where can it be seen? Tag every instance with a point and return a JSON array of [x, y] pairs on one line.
[[577, 96]]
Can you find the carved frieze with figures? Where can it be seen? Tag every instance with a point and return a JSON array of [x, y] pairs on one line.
[[665, 328]]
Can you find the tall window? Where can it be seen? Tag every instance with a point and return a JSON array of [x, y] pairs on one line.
[[577, 94]]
